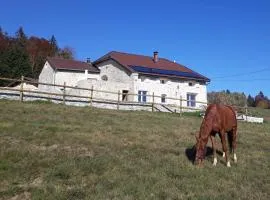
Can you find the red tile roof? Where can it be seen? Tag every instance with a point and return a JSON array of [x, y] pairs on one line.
[[74, 65], [127, 60]]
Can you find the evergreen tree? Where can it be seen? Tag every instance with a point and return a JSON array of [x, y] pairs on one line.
[[19, 63], [250, 101], [21, 39], [54, 47]]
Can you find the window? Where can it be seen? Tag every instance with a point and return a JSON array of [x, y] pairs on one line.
[[190, 84], [163, 80], [191, 100], [163, 98], [124, 95], [142, 96]]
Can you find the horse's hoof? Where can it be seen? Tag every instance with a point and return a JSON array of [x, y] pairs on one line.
[[228, 164], [215, 162], [235, 158]]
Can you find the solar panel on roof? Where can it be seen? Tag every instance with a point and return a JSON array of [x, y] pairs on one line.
[[164, 72]]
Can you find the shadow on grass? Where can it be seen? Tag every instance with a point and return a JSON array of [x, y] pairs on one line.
[[191, 152]]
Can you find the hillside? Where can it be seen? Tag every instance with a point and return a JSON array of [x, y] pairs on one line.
[[50, 151]]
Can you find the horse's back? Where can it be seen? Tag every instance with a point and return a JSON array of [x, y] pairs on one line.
[[223, 116]]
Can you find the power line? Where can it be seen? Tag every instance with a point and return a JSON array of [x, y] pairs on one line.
[[245, 80], [242, 74]]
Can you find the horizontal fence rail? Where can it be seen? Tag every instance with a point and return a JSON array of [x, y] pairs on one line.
[[64, 97]]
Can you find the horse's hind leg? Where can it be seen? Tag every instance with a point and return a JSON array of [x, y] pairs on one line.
[[234, 136], [223, 153], [212, 137], [224, 146]]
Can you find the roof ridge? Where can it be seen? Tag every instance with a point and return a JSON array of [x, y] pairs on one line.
[[134, 54], [66, 59], [181, 65]]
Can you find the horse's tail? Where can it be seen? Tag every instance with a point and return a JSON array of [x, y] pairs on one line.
[[230, 140]]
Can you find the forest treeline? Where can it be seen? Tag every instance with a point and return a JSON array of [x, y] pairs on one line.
[[239, 99], [22, 55]]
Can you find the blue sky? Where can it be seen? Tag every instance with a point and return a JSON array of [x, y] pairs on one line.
[[227, 41]]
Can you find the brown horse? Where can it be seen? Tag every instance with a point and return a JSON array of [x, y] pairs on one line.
[[218, 119]]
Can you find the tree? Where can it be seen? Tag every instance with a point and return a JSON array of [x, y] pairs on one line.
[[21, 39], [259, 97], [38, 49], [19, 63], [250, 101], [66, 53], [4, 40], [223, 97], [21, 55], [54, 49]]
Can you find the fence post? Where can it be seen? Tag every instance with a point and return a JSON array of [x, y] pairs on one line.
[[21, 89], [246, 111], [153, 101], [64, 94], [181, 105], [118, 101], [91, 97]]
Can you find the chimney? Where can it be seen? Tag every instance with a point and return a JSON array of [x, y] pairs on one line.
[[88, 60], [155, 56]]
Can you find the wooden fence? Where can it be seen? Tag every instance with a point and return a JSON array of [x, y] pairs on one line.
[[64, 97]]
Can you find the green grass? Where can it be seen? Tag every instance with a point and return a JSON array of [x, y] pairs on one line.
[[50, 151], [260, 112]]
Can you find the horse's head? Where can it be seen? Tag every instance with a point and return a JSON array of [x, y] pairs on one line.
[[200, 151]]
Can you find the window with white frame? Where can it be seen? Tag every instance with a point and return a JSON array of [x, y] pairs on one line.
[[142, 96], [191, 100], [163, 98]]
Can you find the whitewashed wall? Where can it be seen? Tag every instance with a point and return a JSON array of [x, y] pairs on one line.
[[118, 78], [46, 76], [172, 88], [114, 71], [51, 76], [100, 85], [71, 78]]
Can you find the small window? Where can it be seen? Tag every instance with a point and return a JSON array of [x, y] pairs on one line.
[[142, 96], [190, 84], [163, 98], [124, 95], [104, 78], [191, 100], [163, 80]]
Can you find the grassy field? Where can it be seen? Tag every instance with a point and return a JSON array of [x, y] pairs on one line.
[[50, 151]]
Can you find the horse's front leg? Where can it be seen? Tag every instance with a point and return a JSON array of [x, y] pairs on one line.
[[224, 146], [214, 149]]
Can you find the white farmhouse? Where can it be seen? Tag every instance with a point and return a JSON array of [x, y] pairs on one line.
[[136, 78], [145, 76], [59, 70]]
